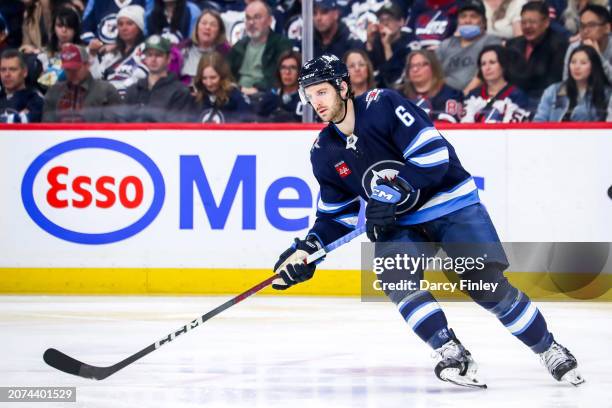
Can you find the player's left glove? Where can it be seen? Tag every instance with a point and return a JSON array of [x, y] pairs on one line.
[[291, 266], [382, 205]]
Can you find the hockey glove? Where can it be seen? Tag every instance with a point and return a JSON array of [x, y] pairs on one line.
[[380, 212], [291, 265]]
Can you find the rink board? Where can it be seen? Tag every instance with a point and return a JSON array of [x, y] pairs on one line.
[[146, 209]]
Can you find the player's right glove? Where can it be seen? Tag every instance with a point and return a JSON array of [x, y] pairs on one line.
[[382, 205], [291, 266]]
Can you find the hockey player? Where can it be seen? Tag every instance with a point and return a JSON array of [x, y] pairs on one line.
[[382, 148]]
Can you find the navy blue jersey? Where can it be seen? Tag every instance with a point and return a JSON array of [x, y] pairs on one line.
[[100, 18], [392, 137], [509, 106], [24, 106], [281, 107], [236, 109], [445, 106]]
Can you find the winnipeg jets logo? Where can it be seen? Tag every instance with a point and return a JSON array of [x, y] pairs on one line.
[[329, 57], [388, 169], [372, 96], [351, 142]]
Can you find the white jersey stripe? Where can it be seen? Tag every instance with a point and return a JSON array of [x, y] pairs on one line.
[[520, 324], [437, 156], [334, 207], [425, 136], [422, 311], [467, 187]]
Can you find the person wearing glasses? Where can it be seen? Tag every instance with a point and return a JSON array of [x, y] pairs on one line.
[[360, 69], [424, 85], [253, 59], [282, 104], [594, 31]]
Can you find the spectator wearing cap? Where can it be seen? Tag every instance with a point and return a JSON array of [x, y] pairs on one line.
[[540, 50], [388, 45], [459, 54], [122, 65], [331, 36], [18, 102], [80, 98], [595, 32], [253, 59], [100, 20], [160, 97], [504, 17]]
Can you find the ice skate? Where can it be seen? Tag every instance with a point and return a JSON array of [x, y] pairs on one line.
[[561, 364], [456, 365]]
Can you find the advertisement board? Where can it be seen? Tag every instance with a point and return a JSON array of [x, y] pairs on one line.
[[233, 198]]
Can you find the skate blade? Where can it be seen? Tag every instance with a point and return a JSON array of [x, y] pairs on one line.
[[573, 377], [452, 376]]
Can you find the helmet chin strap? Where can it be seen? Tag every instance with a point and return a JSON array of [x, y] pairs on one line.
[[345, 100]]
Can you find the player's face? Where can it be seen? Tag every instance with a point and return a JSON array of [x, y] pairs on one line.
[[211, 80], [127, 30], [12, 75], [419, 69], [490, 67], [156, 61], [325, 101], [208, 29], [289, 72], [357, 68], [580, 66]]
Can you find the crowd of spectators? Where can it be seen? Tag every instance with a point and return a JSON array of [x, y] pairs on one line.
[[468, 61]]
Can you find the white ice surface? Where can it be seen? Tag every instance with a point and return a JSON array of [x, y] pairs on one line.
[[290, 352]]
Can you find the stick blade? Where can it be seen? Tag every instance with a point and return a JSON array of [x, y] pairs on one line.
[[62, 362]]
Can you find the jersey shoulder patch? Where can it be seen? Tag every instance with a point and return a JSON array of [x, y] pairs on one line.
[[373, 95]]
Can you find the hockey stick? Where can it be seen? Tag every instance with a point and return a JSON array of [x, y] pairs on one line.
[[67, 364]]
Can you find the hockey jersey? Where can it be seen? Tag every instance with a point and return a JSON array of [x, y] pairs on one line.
[[392, 138], [100, 18]]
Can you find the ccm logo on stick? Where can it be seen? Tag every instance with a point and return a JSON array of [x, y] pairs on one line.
[[72, 192]]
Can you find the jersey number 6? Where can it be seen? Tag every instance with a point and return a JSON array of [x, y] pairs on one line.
[[404, 116]]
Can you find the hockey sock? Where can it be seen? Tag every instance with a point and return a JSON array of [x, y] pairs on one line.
[[424, 315], [515, 311]]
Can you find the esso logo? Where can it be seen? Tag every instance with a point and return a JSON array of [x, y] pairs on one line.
[[93, 191]]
